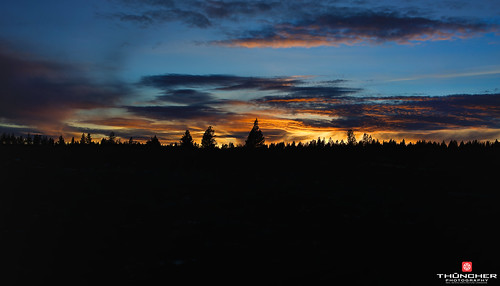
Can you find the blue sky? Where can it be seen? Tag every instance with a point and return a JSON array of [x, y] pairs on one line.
[[83, 65]]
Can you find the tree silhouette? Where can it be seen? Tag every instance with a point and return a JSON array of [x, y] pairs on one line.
[[153, 142], [367, 139], [208, 139], [37, 139], [29, 140], [187, 140], [453, 144], [351, 139], [88, 139], [255, 138], [112, 138], [61, 140]]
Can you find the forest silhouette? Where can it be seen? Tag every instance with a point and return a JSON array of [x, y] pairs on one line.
[[255, 139], [354, 212]]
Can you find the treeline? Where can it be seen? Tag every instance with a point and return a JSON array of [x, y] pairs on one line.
[[391, 144], [255, 140], [86, 139], [208, 142]]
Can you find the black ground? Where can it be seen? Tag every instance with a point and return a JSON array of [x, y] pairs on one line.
[[123, 215]]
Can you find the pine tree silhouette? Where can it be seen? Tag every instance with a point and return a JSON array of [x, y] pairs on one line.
[[208, 140], [153, 142], [255, 137], [88, 139], [112, 138], [60, 141], [367, 139], [351, 139], [187, 140]]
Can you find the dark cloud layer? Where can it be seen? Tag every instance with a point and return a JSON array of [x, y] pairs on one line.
[[200, 14], [195, 99], [352, 27], [395, 113], [281, 24], [42, 95], [195, 94], [36, 92], [295, 85], [223, 82], [324, 104], [190, 112], [186, 96], [191, 18]]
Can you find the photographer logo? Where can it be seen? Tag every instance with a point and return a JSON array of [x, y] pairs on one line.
[[467, 277], [466, 266]]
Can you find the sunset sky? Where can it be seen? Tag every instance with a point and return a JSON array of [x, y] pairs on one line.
[[307, 69]]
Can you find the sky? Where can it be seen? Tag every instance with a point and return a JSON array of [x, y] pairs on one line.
[[418, 70]]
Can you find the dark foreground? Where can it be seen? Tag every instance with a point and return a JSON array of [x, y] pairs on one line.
[[233, 217]]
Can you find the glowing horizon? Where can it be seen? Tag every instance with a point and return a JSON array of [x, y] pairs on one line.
[[306, 69]]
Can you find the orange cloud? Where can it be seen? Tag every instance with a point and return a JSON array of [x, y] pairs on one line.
[[355, 27]]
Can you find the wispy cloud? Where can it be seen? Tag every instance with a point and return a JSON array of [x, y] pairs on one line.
[[151, 17], [315, 106], [218, 81], [396, 113], [285, 24], [186, 96], [45, 95], [194, 13], [354, 27], [202, 113], [448, 75]]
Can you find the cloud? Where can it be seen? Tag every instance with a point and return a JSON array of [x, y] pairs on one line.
[[41, 94], [192, 18], [218, 81], [120, 122], [235, 9], [285, 24], [314, 104], [186, 96], [194, 96], [190, 112], [200, 14], [46, 96], [350, 27], [197, 100], [449, 75], [394, 113], [146, 13], [295, 85]]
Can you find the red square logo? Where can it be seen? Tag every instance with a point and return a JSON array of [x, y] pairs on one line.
[[466, 266]]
